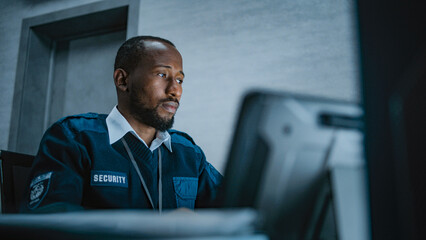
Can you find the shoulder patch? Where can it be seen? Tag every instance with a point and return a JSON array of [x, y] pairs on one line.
[[38, 189]]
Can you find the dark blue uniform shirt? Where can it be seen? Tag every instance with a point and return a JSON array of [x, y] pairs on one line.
[[77, 166]]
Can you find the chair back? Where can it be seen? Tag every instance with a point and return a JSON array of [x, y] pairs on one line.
[[15, 168]]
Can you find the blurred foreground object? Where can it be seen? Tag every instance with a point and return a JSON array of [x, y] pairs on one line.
[[131, 224], [393, 82]]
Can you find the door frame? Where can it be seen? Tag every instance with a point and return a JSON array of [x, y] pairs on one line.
[[39, 38]]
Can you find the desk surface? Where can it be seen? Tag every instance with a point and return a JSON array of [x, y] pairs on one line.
[[132, 224]]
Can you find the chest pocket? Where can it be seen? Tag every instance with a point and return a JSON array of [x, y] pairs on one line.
[[186, 191]]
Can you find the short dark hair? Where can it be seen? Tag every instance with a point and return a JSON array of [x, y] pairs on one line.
[[132, 50]]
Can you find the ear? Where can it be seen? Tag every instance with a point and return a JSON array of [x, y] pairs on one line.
[[120, 80]]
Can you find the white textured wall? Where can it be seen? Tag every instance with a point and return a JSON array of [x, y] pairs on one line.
[[304, 46]]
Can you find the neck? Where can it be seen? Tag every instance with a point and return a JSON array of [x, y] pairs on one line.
[[147, 133]]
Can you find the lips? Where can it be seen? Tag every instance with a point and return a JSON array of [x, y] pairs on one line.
[[170, 106]]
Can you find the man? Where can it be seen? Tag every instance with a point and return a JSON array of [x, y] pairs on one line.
[[130, 158]]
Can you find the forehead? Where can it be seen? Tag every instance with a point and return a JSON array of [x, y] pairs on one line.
[[161, 53]]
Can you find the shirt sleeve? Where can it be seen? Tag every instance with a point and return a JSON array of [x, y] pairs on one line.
[[209, 183], [55, 182]]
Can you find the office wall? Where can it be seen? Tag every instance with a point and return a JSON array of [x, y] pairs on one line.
[[229, 47]]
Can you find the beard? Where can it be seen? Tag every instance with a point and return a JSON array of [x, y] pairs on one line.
[[149, 116]]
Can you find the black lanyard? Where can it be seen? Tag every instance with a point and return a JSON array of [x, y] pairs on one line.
[[160, 185]]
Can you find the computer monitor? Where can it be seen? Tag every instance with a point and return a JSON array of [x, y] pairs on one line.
[[282, 150]]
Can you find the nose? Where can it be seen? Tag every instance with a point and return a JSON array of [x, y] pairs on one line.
[[174, 89]]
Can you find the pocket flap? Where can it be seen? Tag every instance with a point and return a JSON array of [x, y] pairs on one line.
[[186, 187]]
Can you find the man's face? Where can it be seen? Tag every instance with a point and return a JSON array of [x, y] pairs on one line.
[[155, 86]]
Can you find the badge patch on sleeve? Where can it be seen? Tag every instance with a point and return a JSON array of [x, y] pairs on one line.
[[38, 189], [108, 179]]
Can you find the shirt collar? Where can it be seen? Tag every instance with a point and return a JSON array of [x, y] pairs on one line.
[[118, 126]]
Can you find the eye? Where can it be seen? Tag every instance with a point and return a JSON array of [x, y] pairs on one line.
[[163, 75], [180, 81]]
